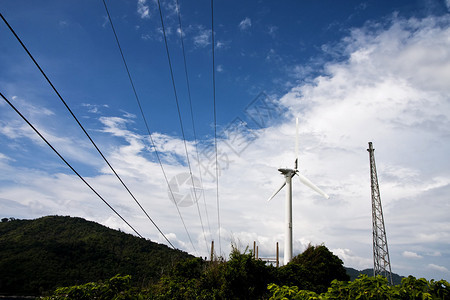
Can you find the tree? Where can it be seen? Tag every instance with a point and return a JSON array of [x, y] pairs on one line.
[[183, 282], [116, 288], [246, 277], [241, 277]]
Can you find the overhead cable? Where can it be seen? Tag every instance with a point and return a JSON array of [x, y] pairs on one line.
[[146, 123], [215, 121], [65, 161], [84, 130], [179, 112], [192, 118]]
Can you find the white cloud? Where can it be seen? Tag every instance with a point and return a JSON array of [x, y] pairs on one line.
[[220, 45], [171, 7], [351, 259], [72, 144], [410, 254], [146, 37], [180, 32], [4, 157], [301, 72], [143, 9], [27, 108], [272, 30], [94, 108], [245, 24], [271, 54], [202, 38], [437, 268], [219, 68]]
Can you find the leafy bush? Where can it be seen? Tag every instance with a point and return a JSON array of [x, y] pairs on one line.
[[246, 277], [241, 277], [116, 288], [369, 288], [313, 270]]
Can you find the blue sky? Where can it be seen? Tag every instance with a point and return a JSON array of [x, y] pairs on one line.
[[353, 72]]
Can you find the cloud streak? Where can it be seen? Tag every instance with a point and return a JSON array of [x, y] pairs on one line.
[[202, 38], [245, 24], [143, 9]]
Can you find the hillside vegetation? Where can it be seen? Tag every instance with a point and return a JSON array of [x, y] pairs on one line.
[[71, 258], [40, 255], [240, 277], [243, 277]]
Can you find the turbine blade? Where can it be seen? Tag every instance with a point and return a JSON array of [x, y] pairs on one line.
[[311, 185], [296, 143], [274, 194]]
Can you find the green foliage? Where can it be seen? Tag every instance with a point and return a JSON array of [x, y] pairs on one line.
[[241, 277], [369, 288], [412, 288], [116, 288], [185, 286], [40, 255], [290, 292], [184, 282], [314, 269], [246, 277]]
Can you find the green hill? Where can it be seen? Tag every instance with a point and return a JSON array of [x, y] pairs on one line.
[[353, 273], [40, 255]]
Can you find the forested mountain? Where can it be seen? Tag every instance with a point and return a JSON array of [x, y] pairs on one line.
[[42, 254]]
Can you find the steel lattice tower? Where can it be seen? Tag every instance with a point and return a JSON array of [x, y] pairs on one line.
[[381, 261]]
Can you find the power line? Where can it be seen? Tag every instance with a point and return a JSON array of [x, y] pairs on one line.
[[84, 130], [179, 112], [215, 119], [146, 123], [65, 161], [192, 117]]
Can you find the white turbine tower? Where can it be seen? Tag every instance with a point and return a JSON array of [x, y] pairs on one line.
[[288, 174]]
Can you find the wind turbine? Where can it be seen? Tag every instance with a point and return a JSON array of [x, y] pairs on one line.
[[288, 175]]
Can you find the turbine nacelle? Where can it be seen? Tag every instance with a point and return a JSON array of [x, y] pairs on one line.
[[287, 171]]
